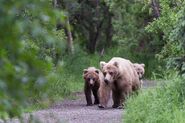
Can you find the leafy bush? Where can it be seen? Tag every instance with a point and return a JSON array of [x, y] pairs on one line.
[[170, 25], [162, 104], [23, 72]]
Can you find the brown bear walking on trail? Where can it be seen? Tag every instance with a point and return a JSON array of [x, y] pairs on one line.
[[122, 78], [140, 71], [92, 83]]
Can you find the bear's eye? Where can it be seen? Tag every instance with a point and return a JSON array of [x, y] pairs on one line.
[[93, 79], [111, 73], [88, 79]]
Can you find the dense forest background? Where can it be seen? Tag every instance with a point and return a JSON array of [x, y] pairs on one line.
[[45, 45]]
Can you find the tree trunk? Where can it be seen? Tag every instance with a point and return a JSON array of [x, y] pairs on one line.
[[55, 3], [70, 47], [94, 34], [59, 4], [109, 29], [91, 46], [155, 7]]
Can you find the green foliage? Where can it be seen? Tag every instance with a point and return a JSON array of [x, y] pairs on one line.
[[22, 75], [171, 25], [162, 104], [129, 17]]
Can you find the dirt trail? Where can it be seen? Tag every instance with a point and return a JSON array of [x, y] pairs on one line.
[[75, 111]]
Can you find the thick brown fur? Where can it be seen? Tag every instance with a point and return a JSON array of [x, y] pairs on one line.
[[92, 83], [140, 71], [121, 77], [103, 92]]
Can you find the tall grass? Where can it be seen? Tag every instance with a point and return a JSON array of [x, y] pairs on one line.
[[163, 104]]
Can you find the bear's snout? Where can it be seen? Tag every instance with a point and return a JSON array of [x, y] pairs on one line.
[[106, 81], [91, 82]]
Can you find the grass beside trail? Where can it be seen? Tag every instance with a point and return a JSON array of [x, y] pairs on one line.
[[163, 104]]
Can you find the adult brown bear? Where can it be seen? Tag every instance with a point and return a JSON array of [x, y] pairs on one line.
[[122, 78]]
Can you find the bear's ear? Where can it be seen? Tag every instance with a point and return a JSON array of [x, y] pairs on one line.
[[134, 65], [143, 65], [85, 71], [116, 64], [102, 64], [97, 71]]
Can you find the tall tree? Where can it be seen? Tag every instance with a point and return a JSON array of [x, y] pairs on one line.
[[91, 21], [59, 4]]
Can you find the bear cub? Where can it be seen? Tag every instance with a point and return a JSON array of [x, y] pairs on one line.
[[140, 71], [92, 84]]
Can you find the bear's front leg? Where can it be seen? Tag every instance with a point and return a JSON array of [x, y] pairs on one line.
[[95, 93], [87, 92], [116, 96], [125, 95], [122, 101]]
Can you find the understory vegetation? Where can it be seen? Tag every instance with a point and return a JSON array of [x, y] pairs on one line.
[[162, 104], [45, 45]]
